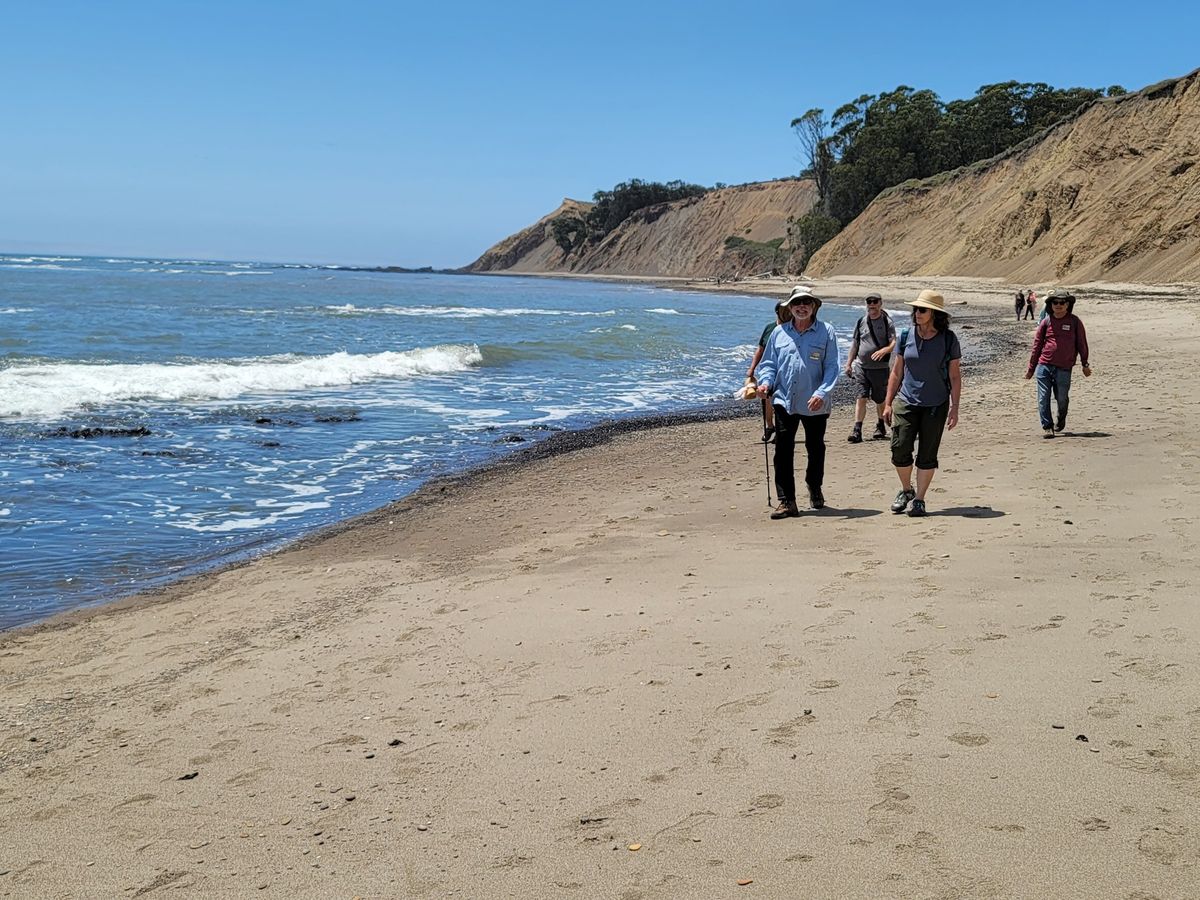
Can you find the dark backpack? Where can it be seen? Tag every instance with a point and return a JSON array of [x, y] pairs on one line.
[[945, 359]]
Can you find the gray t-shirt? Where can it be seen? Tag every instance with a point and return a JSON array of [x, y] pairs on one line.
[[924, 382], [874, 334]]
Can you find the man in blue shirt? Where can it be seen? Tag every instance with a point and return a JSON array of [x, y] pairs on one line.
[[798, 370]]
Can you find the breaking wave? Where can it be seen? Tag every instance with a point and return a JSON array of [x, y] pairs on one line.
[[47, 391]]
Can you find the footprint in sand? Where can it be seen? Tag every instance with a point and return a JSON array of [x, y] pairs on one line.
[[727, 759], [1109, 707], [763, 803], [1102, 628], [733, 707], [1171, 844], [902, 712], [785, 732], [969, 738], [1153, 669]]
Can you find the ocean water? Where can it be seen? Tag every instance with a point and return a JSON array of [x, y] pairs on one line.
[[158, 417]]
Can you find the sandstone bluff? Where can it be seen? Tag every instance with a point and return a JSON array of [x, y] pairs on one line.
[[1111, 194]]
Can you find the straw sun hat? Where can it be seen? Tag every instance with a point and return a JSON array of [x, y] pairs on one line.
[[929, 300]]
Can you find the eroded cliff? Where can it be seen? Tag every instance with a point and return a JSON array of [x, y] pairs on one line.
[[1112, 194]]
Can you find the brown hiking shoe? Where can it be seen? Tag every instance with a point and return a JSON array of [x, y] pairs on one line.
[[785, 510]]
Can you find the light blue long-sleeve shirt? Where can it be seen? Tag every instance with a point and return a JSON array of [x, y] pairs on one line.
[[800, 365]]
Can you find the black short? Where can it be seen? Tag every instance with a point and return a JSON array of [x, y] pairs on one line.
[[871, 383]]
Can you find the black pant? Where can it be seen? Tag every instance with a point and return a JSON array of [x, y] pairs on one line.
[[786, 427], [1028, 313]]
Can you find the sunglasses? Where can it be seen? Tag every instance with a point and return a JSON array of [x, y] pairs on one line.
[[1058, 302], [874, 302], [801, 302]]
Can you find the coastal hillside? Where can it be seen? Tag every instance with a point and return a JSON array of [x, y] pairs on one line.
[[685, 238], [1110, 194], [531, 249]]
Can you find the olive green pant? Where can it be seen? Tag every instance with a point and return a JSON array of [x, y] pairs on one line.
[[919, 425]]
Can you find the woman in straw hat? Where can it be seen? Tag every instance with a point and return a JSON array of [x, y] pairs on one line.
[[922, 397]]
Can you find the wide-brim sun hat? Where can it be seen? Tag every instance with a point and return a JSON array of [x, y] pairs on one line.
[[929, 300], [801, 292]]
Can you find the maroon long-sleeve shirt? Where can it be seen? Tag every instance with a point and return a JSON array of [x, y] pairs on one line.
[[1058, 341]]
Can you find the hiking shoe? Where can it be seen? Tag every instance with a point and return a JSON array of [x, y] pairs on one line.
[[1061, 423], [767, 433], [1048, 433], [918, 509], [880, 433], [903, 498], [785, 510], [815, 498], [855, 436]]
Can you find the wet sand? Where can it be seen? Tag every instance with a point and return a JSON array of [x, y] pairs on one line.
[[498, 687]]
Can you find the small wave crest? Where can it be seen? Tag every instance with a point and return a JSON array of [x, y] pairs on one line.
[[456, 312], [48, 391]]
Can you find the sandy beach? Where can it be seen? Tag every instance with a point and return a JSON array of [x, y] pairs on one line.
[[607, 674]]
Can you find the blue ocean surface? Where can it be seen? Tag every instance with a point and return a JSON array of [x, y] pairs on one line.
[[158, 417]]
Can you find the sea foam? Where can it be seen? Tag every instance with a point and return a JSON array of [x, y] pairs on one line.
[[50, 390], [457, 312]]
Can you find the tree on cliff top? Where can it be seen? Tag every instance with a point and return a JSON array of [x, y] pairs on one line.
[[877, 141], [614, 207]]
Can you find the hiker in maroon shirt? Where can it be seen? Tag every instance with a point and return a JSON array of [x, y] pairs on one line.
[[1059, 339]]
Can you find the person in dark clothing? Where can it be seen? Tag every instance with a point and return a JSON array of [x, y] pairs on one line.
[[868, 362], [781, 315], [1059, 340], [1020, 304], [1030, 304]]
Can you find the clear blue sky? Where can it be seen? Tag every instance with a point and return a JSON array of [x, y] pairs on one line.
[[420, 133]]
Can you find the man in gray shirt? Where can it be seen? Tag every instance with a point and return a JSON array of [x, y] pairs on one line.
[[868, 362]]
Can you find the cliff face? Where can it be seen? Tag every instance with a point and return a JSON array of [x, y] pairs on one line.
[[531, 249], [685, 238], [1112, 194]]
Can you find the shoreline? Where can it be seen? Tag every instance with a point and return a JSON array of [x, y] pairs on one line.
[[166, 586], [505, 687]]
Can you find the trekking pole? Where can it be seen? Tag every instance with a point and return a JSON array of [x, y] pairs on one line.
[[766, 455]]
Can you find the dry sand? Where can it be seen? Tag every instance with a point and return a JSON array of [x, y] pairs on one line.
[[499, 689]]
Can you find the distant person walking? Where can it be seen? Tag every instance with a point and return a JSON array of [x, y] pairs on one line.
[[922, 397], [1020, 303], [798, 370], [781, 315], [1030, 305], [1060, 339], [867, 364]]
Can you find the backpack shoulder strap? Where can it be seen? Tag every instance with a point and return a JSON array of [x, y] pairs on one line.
[[951, 338], [903, 341]]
